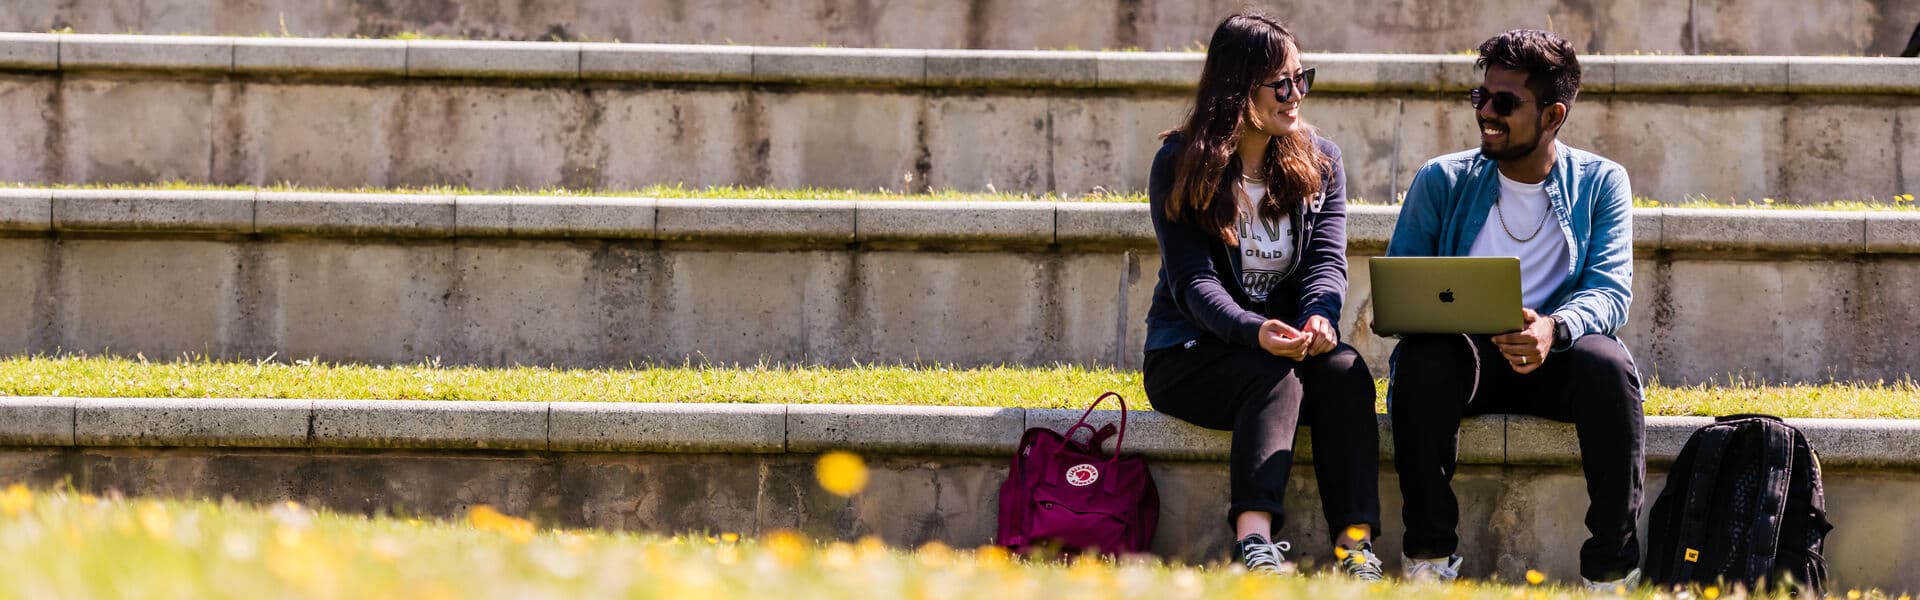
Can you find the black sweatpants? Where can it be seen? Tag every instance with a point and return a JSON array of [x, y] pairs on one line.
[[1262, 399], [1438, 379]]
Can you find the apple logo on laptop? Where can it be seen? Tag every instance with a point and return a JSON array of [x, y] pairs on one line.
[[1446, 295]]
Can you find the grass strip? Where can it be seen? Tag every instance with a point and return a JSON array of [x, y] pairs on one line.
[[1023, 387], [1899, 202]]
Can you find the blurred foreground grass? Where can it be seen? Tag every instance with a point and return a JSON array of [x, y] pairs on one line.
[[64, 545]]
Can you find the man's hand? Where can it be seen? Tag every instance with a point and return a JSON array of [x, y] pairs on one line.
[[1283, 340], [1324, 337], [1526, 349]]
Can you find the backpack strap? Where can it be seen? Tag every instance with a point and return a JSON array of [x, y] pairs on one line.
[[1713, 448], [1776, 446]]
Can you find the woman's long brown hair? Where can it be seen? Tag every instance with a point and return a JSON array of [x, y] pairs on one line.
[[1246, 50]]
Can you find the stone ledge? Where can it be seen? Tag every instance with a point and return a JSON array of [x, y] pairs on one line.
[[567, 217], [192, 422], [814, 221], [146, 53], [320, 56], [354, 214], [28, 51], [629, 427], [1768, 230], [153, 211], [429, 424], [1444, 73], [528, 60], [834, 221], [908, 220], [26, 210], [776, 428]]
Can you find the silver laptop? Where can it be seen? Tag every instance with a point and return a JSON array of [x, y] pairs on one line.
[[1445, 294]]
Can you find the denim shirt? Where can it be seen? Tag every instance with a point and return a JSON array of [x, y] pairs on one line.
[[1592, 202]]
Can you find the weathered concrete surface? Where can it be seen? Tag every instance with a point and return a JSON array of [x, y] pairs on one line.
[[1532, 515], [1754, 299], [1747, 27], [912, 133]]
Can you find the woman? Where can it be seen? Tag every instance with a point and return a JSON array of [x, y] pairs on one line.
[[1249, 205]]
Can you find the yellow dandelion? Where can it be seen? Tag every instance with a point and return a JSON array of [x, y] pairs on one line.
[[787, 547], [1535, 577], [1853, 594], [1340, 552], [841, 473], [1653, 203], [1356, 533], [154, 519], [16, 500], [993, 557], [485, 518], [838, 556], [1711, 592], [729, 537], [933, 554]]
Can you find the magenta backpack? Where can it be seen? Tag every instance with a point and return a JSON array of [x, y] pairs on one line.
[[1067, 495]]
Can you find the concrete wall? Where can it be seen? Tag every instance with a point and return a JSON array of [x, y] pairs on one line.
[[935, 472], [1434, 26], [1772, 295], [112, 109]]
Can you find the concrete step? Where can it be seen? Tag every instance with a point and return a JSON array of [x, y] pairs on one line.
[[490, 115], [933, 472], [1773, 295], [1832, 28]]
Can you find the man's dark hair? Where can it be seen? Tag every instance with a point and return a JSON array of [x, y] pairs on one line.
[[1553, 72]]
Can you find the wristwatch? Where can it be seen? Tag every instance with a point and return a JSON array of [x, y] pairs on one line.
[[1561, 337]]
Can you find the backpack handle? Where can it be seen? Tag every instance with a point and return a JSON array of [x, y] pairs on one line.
[[1739, 416], [1096, 434]]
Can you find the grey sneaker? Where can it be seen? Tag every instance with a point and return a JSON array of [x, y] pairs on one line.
[[1360, 563], [1622, 584], [1420, 570], [1261, 556]]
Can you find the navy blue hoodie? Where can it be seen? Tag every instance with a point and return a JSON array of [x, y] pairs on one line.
[[1199, 292]]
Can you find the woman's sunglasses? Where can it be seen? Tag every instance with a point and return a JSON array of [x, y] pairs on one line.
[[1286, 87], [1503, 102]]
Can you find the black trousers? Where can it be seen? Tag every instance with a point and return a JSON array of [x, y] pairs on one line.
[[1438, 379], [1263, 399]]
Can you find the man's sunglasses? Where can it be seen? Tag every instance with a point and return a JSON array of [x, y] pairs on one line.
[[1286, 87], [1503, 102]]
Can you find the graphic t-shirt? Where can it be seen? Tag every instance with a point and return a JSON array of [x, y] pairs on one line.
[[1266, 245]]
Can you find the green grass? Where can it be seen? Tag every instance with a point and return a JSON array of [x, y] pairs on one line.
[[1899, 202], [1026, 387], [66, 545]]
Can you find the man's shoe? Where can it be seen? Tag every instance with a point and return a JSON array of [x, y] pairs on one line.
[[1420, 570], [1360, 563], [1622, 584], [1261, 556]]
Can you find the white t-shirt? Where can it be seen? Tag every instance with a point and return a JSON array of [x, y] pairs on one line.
[[1266, 245], [1543, 255]]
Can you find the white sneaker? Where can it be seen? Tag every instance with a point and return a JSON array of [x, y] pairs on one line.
[[1618, 585], [1420, 570]]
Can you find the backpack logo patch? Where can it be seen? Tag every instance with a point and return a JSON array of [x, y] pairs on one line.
[[1082, 475], [1693, 556]]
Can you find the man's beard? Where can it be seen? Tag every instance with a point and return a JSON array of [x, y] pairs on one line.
[[1512, 152]]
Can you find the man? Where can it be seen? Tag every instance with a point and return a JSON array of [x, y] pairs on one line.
[[1567, 215]]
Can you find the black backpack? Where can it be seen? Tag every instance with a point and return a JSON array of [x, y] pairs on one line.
[[1742, 506]]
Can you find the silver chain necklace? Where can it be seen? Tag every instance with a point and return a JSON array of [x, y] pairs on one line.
[[1536, 228]]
